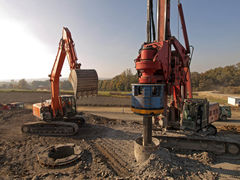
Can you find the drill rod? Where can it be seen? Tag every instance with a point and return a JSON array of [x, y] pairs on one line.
[[147, 130]]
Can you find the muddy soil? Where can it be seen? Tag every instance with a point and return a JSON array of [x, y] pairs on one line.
[[107, 152], [34, 97], [107, 147]]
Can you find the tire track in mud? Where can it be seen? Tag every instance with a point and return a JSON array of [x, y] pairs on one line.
[[124, 149], [114, 160]]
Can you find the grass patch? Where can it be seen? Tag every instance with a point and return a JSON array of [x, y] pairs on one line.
[[195, 94], [33, 91], [100, 93], [114, 93], [19, 90], [211, 99]]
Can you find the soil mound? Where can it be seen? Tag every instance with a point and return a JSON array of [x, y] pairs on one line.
[[163, 164]]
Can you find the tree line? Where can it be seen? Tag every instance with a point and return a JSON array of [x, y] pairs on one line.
[[34, 85], [225, 79], [120, 82], [221, 78]]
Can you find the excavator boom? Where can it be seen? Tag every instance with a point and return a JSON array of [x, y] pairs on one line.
[[84, 82]]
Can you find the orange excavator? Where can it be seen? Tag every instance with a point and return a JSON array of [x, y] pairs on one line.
[[58, 116]]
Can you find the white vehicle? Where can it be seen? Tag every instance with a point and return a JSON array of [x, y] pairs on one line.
[[234, 101]]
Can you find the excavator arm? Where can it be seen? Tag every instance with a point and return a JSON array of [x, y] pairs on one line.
[[70, 49], [84, 81]]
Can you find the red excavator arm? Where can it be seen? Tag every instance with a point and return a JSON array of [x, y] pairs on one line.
[[66, 47]]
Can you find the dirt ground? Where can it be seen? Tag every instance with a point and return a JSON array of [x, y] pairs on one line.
[[34, 97], [107, 150]]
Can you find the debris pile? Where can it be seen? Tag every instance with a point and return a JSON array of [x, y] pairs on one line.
[[167, 165]]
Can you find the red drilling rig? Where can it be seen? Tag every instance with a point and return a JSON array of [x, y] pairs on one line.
[[163, 60], [164, 88]]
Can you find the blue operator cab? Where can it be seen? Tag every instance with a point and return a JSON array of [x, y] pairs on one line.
[[148, 99]]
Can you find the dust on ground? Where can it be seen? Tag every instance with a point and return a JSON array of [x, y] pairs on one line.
[[107, 146], [35, 97], [229, 129]]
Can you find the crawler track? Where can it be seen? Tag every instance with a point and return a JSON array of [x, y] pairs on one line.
[[223, 146], [57, 128]]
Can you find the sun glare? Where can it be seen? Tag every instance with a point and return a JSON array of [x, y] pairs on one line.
[[22, 55]]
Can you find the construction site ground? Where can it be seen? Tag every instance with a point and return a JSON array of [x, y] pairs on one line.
[[107, 146]]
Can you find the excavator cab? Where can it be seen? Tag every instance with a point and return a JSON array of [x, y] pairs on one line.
[[68, 105]]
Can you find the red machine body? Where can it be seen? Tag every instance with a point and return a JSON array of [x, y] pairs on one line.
[[166, 60]]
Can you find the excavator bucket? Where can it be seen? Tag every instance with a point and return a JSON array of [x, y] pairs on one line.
[[84, 82]]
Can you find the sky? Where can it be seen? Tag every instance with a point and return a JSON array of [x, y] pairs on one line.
[[108, 34]]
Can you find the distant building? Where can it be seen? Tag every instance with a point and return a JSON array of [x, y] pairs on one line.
[[234, 101]]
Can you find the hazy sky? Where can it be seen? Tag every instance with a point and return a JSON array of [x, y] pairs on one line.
[[108, 34]]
